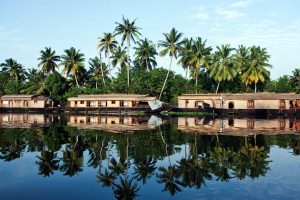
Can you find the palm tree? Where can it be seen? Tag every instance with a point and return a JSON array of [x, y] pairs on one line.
[[14, 69], [295, 80], [48, 60], [35, 84], [107, 43], [241, 58], [198, 57], [97, 70], [145, 53], [183, 54], [256, 70], [171, 45], [223, 68], [73, 63], [119, 57], [129, 32]]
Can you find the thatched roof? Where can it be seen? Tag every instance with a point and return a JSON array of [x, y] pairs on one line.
[[199, 96], [115, 97], [261, 96], [26, 97], [242, 96]]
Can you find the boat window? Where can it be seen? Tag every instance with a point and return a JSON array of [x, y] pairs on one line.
[[81, 102], [281, 124], [250, 104], [231, 105], [250, 123], [282, 104], [113, 102]]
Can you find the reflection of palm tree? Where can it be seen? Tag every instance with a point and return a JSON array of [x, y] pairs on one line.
[[72, 163], [13, 151], [144, 168], [221, 160], [73, 158], [195, 171], [47, 163], [126, 189], [118, 167], [169, 176], [295, 146], [107, 178], [258, 163]]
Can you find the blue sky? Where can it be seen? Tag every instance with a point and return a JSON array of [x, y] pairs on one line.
[[28, 26]]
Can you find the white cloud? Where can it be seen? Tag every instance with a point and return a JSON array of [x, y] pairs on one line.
[[229, 14], [240, 4], [199, 13]]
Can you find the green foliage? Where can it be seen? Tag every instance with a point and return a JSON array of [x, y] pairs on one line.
[[55, 85], [281, 85]]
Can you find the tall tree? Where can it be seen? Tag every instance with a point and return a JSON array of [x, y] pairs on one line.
[[145, 53], [171, 45], [35, 82], [119, 57], [48, 60], [107, 43], [129, 32], [183, 54], [223, 68], [242, 58], [256, 70], [198, 56], [14, 69], [97, 70], [295, 80], [73, 62]]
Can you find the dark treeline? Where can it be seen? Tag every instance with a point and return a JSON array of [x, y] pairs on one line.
[[121, 159], [225, 69]]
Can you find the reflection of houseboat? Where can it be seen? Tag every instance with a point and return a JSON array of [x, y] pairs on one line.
[[104, 102], [259, 103], [25, 102], [24, 120], [242, 126], [114, 124]]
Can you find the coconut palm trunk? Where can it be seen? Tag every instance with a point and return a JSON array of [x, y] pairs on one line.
[[217, 90], [255, 89], [197, 72], [162, 89], [109, 65], [128, 66], [76, 81], [102, 74]]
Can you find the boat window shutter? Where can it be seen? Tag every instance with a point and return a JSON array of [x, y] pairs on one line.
[[250, 104]]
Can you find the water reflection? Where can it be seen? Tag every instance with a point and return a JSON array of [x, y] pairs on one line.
[[24, 120], [162, 157], [239, 126], [115, 124]]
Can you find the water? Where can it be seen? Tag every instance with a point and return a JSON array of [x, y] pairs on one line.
[[144, 157]]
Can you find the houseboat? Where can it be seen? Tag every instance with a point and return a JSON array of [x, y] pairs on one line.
[[239, 126], [114, 102], [114, 124], [21, 102], [243, 103]]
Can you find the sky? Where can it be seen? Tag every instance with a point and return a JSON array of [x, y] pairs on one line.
[[27, 27]]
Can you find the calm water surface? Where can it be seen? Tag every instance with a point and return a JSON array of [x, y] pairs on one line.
[[111, 157]]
